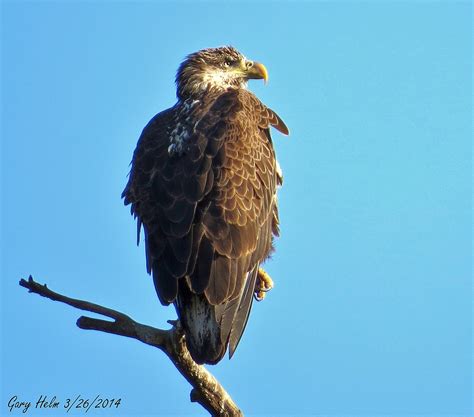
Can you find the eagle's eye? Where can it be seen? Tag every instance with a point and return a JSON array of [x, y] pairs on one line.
[[227, 63]]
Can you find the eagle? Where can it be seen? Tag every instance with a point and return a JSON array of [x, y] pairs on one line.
[[203, 185]]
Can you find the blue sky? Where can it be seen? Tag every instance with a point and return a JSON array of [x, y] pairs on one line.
[[371, 311]]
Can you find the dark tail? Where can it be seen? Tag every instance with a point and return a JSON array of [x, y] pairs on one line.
[[210, 329], [203, 332]]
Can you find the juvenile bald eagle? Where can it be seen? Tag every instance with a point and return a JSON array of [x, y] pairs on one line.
[[203, 185]]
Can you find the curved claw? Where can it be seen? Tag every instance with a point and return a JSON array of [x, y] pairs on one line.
[[259, 296]]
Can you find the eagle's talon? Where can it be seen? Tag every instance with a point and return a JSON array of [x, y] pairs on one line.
[[259, 295], [263, 284], [264, 281]]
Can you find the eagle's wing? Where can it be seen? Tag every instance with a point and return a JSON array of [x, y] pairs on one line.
[[243, 206], [207, 210]]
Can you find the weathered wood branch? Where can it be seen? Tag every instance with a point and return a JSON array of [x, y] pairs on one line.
[[207, 391]]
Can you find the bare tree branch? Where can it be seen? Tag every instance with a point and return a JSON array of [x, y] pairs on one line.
[[207, 391]]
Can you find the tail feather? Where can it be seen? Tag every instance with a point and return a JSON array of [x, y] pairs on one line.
[[242, 314], [208, 328], [203, 337]]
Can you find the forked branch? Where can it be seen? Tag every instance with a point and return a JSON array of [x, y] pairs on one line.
[[206, 391]]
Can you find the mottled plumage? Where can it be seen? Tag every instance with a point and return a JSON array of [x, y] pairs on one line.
[[203, 185]]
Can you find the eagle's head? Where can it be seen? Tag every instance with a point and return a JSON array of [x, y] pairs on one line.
[[216, 68]]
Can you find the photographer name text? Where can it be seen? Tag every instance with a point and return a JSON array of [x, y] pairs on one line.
[[16, 404]]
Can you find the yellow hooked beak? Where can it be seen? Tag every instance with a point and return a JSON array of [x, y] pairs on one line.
[[255, 70]]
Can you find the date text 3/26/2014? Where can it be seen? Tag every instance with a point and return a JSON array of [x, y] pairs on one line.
[[16, 404]]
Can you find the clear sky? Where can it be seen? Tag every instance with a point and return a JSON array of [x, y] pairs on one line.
[[371, 310]]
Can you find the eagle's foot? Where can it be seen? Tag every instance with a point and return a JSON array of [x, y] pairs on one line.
[[263, 284]]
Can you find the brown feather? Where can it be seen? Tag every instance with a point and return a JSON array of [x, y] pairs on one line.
[[216, 291], [202, 270]]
